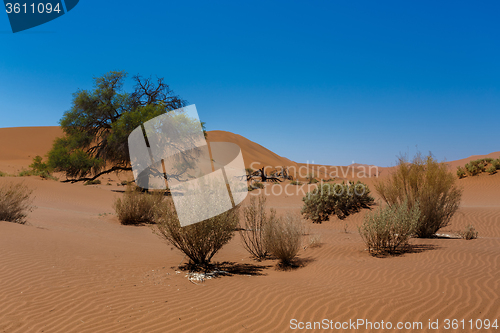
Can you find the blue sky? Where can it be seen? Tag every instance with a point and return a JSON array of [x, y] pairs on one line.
[[326, 81]]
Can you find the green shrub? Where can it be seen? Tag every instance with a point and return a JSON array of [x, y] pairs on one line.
[[295, 182], [388, 229], [472, 169], [427, 183], [3, 174], [337, 199], [136, 207], [199, 241], [256, 221], [496, 164], [92, 182], [25, 173], [469, 233], [283, 237], [15, 202], [39, 166], [491, 169], [461, 172]]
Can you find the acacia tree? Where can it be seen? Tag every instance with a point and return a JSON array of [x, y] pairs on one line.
[[98, 125]]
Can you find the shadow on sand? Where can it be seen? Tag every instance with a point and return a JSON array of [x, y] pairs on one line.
[[229, 268], [412, 248]]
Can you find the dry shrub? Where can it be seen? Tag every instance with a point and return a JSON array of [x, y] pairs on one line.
[[255, 225], [427, 183], [199, 241], [314, 241], [15, 202], [283, 237], [469, 233], [388, 229], [136, 207]]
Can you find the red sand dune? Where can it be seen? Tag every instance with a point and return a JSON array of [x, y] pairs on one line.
[[74, 268]]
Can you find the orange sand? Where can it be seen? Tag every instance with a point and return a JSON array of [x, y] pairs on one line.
[[74, 268]]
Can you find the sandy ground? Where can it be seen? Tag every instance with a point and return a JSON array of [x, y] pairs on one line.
[[74, 268]]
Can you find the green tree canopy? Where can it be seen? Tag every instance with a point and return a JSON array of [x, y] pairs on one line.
[[98, 125]]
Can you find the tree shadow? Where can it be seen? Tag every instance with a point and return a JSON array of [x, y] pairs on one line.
[[227, 268], [419, 248], [166, 193], [412, 248], [294, 264]]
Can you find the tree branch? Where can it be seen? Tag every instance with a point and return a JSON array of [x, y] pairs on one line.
[[113, 169]]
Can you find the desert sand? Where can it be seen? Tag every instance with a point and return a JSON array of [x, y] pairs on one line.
[[75, 268]]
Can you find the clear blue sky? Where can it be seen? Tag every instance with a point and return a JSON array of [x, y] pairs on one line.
[[329, 81]]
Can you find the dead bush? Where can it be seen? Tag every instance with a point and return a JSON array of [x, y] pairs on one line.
[[199, 241], [136, 207], [283, 237], [469, 233], [15, 202], [252, 232]]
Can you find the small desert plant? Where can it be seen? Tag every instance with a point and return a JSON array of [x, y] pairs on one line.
[[3, 174], [136, 207], [295, 182], [427, 183], [15, 202], [283, 237], [92, 182], [469, 233], [491, 170], [249, 171], [461, 172], [337, 199], [256, 220], [38, 168], [314, 241], [312, 178], [496, 164], [26, 173], [388, 229], [257, 185], [199, 241]]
